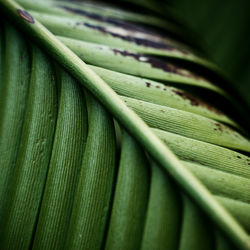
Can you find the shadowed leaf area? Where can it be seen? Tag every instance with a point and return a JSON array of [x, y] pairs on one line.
[[117, 132]]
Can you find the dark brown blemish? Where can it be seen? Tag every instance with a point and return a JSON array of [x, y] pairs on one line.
[[129, 38], [110, 20], [158, 86], [194, 101], [148, 84], [96, 27], [126, 53], [156, 63], [127, 26], [26, 16], [160, 64], [238, 157], [219, 126]]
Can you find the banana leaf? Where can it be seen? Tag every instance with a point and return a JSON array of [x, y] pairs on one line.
[[133, 154]]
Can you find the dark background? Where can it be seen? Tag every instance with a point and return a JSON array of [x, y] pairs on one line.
[[222, 28]]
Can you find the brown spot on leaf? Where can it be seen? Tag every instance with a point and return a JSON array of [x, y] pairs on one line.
[[126, 53], [26, 16], [238, 157], [194, 101], [156, 63], [160, 64], [158, 86], [148, 84], [100, 18], [114, 21], [219, 126], [130, 38]]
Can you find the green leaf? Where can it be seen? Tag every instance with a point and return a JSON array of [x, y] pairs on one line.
[[64, 167], [182, 127], [23, 199], [13, 98]]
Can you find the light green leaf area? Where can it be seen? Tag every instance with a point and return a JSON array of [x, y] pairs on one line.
[[112, 135]]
